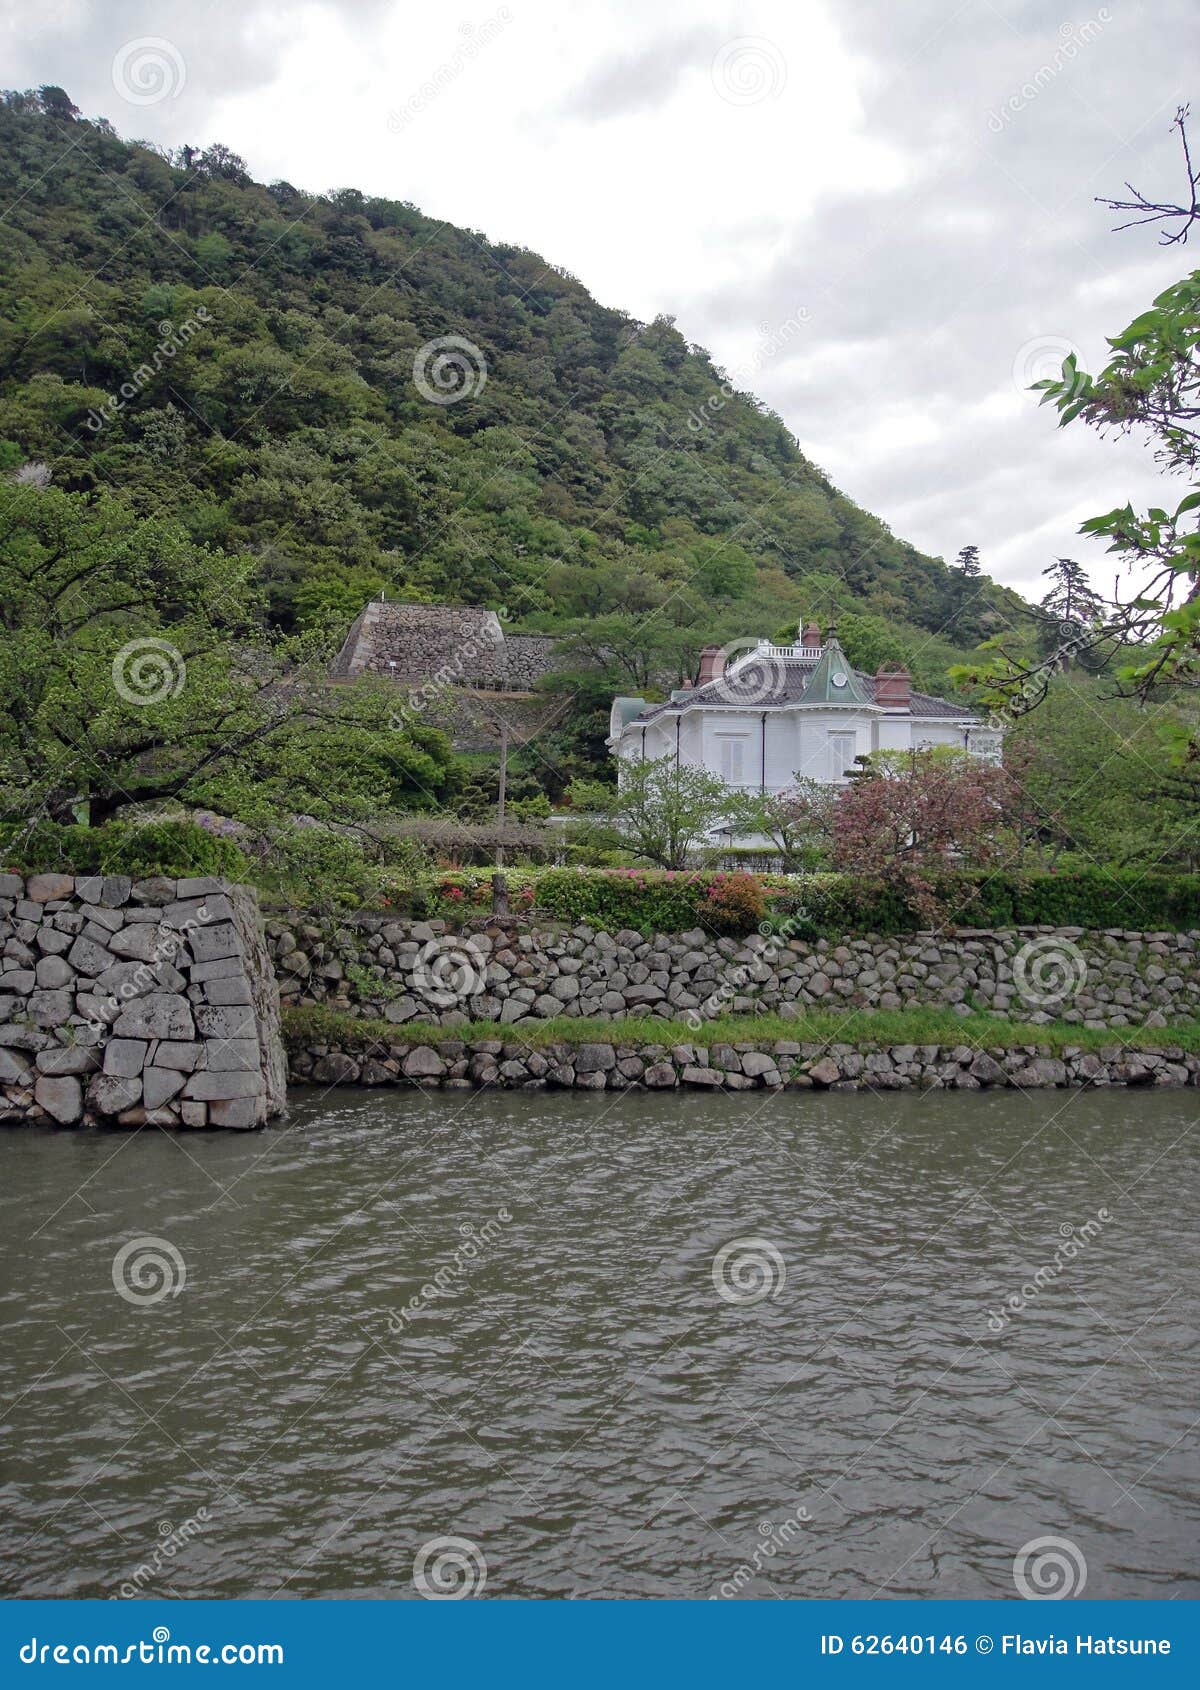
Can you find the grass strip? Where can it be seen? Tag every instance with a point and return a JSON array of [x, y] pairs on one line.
[[860, 1029]]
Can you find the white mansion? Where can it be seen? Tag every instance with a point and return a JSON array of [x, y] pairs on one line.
[[762, 716]]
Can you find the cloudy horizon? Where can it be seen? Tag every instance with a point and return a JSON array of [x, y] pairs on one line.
[[879, 219]]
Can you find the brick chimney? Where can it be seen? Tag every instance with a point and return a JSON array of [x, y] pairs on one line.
[[893, 688], [811, 635], [712, 664]]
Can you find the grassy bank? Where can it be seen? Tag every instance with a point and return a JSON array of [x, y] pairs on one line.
[[861, 1029]]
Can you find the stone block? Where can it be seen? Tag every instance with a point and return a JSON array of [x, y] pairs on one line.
[[142, 1117], [134, 979], [221, 968], [234, 990], [399, 1010], [88, 888], [210, 1087], [209, 943], [336, 1069], [115, 890], [659, 1076], [161, 1015], [423, 1063], [198, 886], [51, 941], [183, 1056], [194, 1114], [188, 913], [11, 886], [594, 1059], [108, 921], [159, 1085], [96, 1010], [14, 1070], [43, 888], [695, 1076], [88, 957], [68, 1059], [125, 1057], [225, 1021], [138, 942], [108, 1094], [235, 1112], [226, 1055], [157, 889], [19, 980], [50, 1008], [53, 972], [60, 1096]]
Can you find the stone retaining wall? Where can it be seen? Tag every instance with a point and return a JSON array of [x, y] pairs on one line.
[[136, 1002], [405, 971], [455, 1064]]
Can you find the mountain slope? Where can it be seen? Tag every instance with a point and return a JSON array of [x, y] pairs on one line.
[[242, 357]]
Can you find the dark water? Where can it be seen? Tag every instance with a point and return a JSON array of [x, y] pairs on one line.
[[576, 1399]]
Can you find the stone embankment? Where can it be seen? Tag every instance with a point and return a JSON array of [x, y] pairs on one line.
[[461, 1065], [413, 972], [136, 1002]]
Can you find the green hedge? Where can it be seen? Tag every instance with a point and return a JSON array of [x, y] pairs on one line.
[[835, 904], [121, 848]]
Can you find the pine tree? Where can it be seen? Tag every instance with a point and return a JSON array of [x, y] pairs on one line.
[[965, 600], [1068, 613]]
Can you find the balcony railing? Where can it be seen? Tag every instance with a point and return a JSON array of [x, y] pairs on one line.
[[764, 648]]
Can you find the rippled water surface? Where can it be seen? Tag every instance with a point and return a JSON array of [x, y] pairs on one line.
[[578, 1398]]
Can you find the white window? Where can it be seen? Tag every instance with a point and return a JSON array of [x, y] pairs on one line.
[[731, 749], [842, 750]]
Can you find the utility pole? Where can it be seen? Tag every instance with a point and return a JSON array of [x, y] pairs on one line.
[[499, 884]]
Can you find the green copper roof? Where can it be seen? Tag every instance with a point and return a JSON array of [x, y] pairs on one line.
[[625, 709], [833, 681]]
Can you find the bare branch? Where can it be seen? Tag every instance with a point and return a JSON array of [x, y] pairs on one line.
[[1153, 211]]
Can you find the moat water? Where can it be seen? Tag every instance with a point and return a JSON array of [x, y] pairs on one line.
[[618, 1345]]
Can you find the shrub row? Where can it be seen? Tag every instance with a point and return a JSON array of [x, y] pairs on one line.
[[833, 904], [137, 849]]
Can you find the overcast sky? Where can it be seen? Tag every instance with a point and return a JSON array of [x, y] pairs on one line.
[[877, 214]]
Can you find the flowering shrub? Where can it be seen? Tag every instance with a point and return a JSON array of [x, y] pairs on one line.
[[734, 903]]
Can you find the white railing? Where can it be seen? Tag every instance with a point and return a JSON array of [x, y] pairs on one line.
[[764, 648]]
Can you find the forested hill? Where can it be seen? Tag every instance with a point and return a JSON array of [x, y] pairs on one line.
[[269, 336]]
